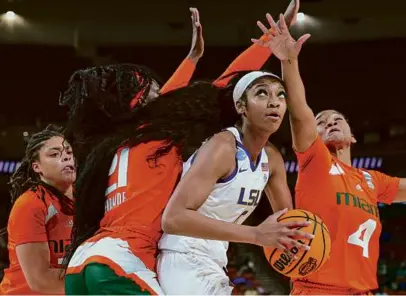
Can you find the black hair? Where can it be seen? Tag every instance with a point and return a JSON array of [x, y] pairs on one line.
[[25, 178], [181, 119]]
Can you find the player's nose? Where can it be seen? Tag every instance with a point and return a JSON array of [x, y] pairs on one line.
[[331, 123]]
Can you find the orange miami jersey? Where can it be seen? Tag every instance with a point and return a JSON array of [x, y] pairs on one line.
[[346, 199], [36, 216], [138, 190]]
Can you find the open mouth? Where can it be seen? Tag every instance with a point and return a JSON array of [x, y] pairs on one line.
[[69, 168], [273, 115], [334, 129]]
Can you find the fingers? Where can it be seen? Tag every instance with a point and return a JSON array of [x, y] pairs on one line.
[[262, 27], [303, 39], [195, 16], [272, 22], [289, 244], [297, 234], [282, 22], [296, 224], [299, 245], [258, 41], [279, 213]]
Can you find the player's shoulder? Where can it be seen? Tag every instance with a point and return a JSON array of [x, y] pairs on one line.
[[31, 197], [223, 142], [274, 156], [28, 204], [219, 148], [272, 150]]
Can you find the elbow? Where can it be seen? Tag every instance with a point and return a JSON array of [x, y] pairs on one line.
[[37, 284], [171, 222]]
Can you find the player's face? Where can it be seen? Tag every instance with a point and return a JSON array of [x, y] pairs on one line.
[[266, 104], [55, 164], [334, 129]]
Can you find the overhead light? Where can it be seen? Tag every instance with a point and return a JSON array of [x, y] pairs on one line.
[[300, 17], [10, 15]]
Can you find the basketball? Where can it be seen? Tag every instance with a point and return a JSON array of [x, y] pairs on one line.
[[307, 262]]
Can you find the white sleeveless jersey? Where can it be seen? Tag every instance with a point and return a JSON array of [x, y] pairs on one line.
[[232, 200]]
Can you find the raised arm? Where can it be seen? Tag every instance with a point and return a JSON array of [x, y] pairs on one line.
[[255, 56], [215, 160], [286, 49], [277, 189], [184, 72]]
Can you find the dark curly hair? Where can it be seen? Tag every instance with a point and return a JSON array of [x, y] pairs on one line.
[[182, 118]]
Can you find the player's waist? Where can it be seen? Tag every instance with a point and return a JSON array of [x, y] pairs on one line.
[[326, 288], [216, 250], [149, 234]]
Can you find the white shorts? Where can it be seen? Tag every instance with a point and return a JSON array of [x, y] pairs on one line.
[[116, 254], [187, 273]]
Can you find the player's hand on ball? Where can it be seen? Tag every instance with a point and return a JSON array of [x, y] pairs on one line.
[[284, 236]]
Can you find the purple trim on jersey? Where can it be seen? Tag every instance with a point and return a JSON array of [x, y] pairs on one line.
[[233, 174], [252, 165]]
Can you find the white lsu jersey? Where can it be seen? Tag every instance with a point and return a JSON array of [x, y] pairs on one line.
[[232, 200]]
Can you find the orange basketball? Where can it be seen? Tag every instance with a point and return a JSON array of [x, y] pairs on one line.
[[307, 262]]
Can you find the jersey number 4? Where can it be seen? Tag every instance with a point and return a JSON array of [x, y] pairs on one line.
[[119, 163], [362, 236]]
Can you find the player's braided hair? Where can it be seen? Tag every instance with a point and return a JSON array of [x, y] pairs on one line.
[[25, 178], [182, 118]]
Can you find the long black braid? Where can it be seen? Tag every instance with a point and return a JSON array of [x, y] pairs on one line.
[[182, 118]]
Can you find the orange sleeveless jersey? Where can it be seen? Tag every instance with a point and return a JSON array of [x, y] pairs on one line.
[[137, 193], [346, 199], [34, 220]]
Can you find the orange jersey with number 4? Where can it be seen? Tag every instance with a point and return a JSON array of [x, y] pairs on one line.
[[346, 199], [137, 193]]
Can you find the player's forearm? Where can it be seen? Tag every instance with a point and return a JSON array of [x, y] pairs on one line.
[[296, 100], [302, 121], [181, 77], [253, 58], [192, 223], [48, 282]]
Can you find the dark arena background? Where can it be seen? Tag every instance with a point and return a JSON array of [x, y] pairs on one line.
[[354, 62]]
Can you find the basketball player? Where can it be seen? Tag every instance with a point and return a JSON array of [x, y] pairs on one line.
[[343, 196], [41, 218], [220, 187], [129, 164]]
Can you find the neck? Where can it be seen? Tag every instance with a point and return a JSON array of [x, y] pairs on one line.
[[63, 188], [254, 140], [343, 154]]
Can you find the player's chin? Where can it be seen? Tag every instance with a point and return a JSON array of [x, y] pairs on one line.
[[272, 127], [69, 177], [335, 141]]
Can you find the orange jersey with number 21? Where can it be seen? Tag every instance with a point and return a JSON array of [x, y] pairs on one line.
[[137, 193], [346, 199]]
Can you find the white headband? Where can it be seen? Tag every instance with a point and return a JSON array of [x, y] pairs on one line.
[[246, 80]]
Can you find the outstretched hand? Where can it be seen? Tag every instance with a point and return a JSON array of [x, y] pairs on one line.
[[291, 12], [197, 48], [282, 44]]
